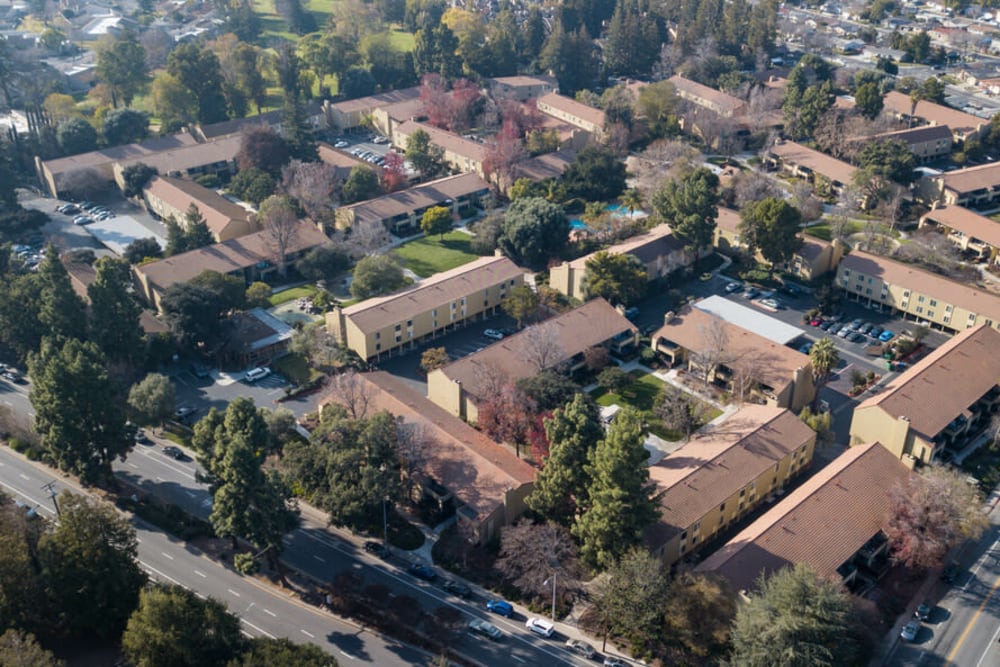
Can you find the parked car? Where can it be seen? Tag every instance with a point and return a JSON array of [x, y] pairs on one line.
[[540, 626], [493, 334], [581, 647], [501, 607], [806, 348], [856, 337], [875, 332], [866, 327], [422, 571], [828, 325], [485, 628], [341, 144], [790, 290], [174, 452], [910, 631], [377, 548], [924, 610], [886, 336], [457, 588], [12, 375], [845, 332], [770, 303], [615, 662], [107, 215], [750, 293], [816, 321], [82, 220], [140, 436], [68, 209], [733, 287], [184, 412], [258, 373]]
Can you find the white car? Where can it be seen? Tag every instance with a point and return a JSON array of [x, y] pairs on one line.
[[255, 374], [485, 628], [341, 144], [540, 626], [493, 334]]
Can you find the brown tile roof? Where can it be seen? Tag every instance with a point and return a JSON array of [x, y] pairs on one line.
[[576, 330], [944, 384], [687, 87], [343, 162], [421, 196], [437, 291], [811, 247], [406, 110], [526, 80], [646, 247], [971, 298], [129, 152], [476, 469], [268, 118], [234, 255], [823, 523], [189, 157], [573, 108], [968, 180], [688, 329], [720, 461], [82, 275], [797, 154], [968, 222], [449, 141], [376, 101], [181, 193], [549, 165], [936, 114], [917, 135]]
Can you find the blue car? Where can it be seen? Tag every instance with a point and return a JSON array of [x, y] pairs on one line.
[[500, 607], [423, 571], [886, 336]]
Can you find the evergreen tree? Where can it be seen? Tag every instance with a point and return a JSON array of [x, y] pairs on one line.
[[114, 321], [297, 131], [61, 310], [176, 240], [620, 498], [690, 205], [196, 231]]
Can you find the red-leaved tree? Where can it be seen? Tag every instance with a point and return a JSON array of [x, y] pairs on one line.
[[393, 172]]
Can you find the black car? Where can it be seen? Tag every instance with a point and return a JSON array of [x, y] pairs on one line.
[[174, 452], [457, 588], [422, 571], [950, 573], [377, 548], [184, 413]]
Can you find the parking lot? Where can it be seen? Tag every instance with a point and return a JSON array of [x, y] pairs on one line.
[[371, 148], [217, 390]]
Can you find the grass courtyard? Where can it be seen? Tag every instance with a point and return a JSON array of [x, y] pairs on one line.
[[433, 254], [284, 296]]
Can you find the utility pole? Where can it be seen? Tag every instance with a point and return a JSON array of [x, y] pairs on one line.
[[51, 488]]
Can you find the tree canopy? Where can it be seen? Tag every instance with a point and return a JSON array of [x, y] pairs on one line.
[[534, 231], [596, 174], [375, 275], [771, 226], [620, 278], [690, 205]]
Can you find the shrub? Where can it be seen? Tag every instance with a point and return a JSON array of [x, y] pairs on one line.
[[857, 378]]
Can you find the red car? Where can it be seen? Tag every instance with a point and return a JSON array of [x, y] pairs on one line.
[[815, 322]]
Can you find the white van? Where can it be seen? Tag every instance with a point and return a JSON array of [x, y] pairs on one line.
[[255, 374]]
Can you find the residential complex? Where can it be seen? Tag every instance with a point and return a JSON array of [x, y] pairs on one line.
[[723, 473], [737, 359], [557, 342], [927, 142], [963, 126], [386, 325], [350, 114], [943, 401], [459, 465], [461, 154], [833, 523], [706, 97], [168, 197], [525, 87], [972, 187], [916, 293], [818, 168], [658, 251], [575, 113], [971, 232]]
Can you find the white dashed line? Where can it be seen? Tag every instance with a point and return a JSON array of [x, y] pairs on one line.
[[322, 560], [233, 592], [270, 613], [200, 574], [307, 634], [166, 555]]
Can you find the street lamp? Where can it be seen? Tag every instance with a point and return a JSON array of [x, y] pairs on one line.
[[385, 524], [546, 583]]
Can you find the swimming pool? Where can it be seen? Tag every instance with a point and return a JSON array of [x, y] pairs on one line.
[[616, 211]]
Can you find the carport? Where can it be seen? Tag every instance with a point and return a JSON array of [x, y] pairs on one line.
[[119, 232]]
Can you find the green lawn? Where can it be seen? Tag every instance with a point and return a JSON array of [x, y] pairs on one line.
[[287, 295], [295, 368], [429, 255], [401, 40]]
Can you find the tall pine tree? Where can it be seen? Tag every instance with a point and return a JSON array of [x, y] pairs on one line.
[[61, 309]]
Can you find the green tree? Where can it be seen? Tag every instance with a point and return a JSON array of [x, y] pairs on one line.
[[264, 652], [375, 275], [19, 649], [176, 239], [434, 358], [571, 56], [614, 380], [124, 126], [60, 310], [821, 422], [264, 149], [620, 498], [121, 64], [549, 389], [824, 357], [561, 486], [253, 185], [868, 98], [258, 295], [361, 184], [76, 135], [771, 226], [436, 220], [619, 278], [890, 159], [629, 602], [196, 231], [193, 313], [90, 566], [698, 614], [197, 69], [151, 401], [435, 51], [78, 412], [174, 627], [522, 304], [325, 262], [172, 102], [595, 175], [20, 328], [690, 205], [797, 618], [658, 103], [114, 311], [136, 176], [22, 593], [534, 231], [427, 158]]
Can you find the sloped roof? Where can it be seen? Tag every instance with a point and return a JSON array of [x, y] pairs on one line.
[[724, 101], [180, 193], [970, 179], [823, 523], [375, 101], [937, 114], [830, 167], [129, 152], [657, 242], [968, 222], [412, 199], [573, 108], [449, 141]]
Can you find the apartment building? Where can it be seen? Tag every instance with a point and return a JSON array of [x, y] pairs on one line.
[[400, 212], [721, 103], [973, 187], [217, 158], [557, 343], [575, 113], [350, 114], [385, 325], [723, 473], [485, 480], [942, 402], [526, 87], [917, 294], [657, 250], [834, 523], [251, 257], [963, 126], [737, 359], [169, 197], [972, 233], [821, 170], [927, 142], [461, 154]]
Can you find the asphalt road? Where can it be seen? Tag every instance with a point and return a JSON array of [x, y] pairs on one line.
[[964, 626], [262, 610]]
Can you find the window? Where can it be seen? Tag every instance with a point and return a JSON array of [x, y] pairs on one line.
[[870, 281], [933, 303], [847, 272], [930, 313], [920, 299], [920, 309], [947, 309], [684, 536], [398, 327], [722, 507], [378, 346], [399, 338], [434, 313], [409, 324], [972, 317], [742, 491], [868, 291], [906, 293]]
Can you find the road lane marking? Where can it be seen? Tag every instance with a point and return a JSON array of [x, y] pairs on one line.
[[988, 645], [975, 617], [38, 503], [233, 592], [517, 658], [307, 633], [200, 574], [322, 560], [260, 630], [191, 494], [154, 571], [270, 613], [166, 555], [24, 477], [348, 655]]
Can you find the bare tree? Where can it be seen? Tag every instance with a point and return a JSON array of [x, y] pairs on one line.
[[83, 181], [351, 390], [314, 185], [804, 200], [679, 410], [752, 186], [414, 443], [281, 227], [596, 357], [367, 236], [491, 379], [713, 351], [891, 207], [532, 553], [540, 346], [749, 370]]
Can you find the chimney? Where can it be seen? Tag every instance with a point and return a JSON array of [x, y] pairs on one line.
[[668, 317]]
